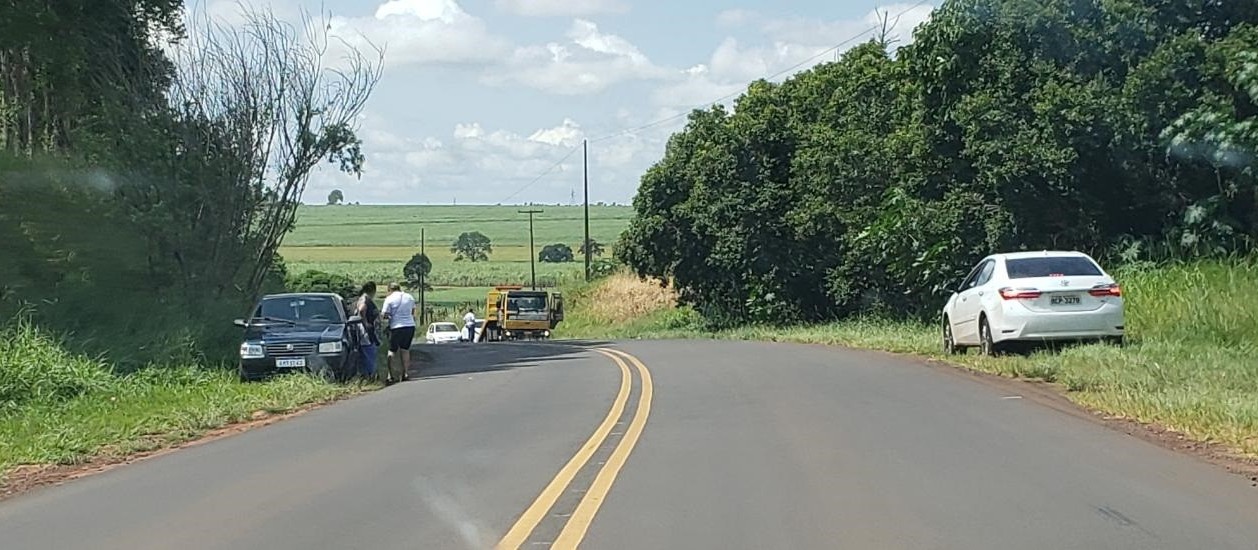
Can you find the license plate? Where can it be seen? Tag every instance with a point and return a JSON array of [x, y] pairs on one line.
[[1064, 300], [290, 363]]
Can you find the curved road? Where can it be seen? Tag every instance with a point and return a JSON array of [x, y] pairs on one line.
[[671, 445]]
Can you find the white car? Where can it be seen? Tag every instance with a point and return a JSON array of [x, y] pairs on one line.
[[443, 333], [1033, 297]]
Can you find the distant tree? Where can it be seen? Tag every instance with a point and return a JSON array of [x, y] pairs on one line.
[[472, 246], [555, 253], [416, 271], [336, 197], [593, 248]]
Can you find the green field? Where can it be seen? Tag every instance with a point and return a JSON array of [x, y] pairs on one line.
[[374, 242]]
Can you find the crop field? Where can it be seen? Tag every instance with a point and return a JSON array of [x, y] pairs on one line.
[[374, 242]]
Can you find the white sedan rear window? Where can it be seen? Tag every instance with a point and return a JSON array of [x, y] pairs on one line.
[[1052, 266]]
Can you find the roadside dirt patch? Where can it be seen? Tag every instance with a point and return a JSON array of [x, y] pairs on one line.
[[27, 477]]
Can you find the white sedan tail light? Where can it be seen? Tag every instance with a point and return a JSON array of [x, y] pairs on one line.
[[1102, 291], [1020, 293]]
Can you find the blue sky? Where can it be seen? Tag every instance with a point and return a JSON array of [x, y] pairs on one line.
[[480, 97]]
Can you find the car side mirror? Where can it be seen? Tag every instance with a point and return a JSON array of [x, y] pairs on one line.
[[240, 323], [355, 319]]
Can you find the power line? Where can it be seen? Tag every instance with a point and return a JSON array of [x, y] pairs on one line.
[[792, 68], [541, 175]]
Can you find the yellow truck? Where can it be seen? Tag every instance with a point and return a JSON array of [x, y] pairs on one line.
[[513, 313]]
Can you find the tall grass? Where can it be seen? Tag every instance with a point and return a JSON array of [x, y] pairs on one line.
[[623, 306], [57, 406], [1199, 302], [35, 369], [1191, 364]]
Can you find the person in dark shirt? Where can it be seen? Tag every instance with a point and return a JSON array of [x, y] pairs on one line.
[[367, 309]]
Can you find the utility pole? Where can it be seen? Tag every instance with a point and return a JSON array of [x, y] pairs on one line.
[[532, 254], [423, 306], [585, 245]]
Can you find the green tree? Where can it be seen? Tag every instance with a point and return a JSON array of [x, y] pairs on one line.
[[471, 246], [416, 271], [871, 184], [555, 253], [336, 197]]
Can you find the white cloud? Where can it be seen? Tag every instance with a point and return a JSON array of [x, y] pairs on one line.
[[696, 88], [735, 17], [488, 161], [790, 42], [423, 32], [568, 134], [562, 8], [590, 62], [475, 164], [431, 154], [473, 137]]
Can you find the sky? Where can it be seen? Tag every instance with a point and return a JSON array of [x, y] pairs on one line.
[[488, 101]]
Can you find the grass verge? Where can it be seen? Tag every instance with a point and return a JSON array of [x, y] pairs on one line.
[[1191, 365], [60, 408]]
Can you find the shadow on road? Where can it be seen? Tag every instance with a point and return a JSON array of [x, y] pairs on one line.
[[439, 361]]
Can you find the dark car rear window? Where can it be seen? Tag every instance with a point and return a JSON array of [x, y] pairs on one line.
[[300, 309], [1052, 266]]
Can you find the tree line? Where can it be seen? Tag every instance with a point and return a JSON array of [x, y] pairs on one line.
[[1124, 128], [159, 165]]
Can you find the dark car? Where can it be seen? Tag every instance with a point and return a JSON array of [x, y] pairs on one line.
[[300, 333]]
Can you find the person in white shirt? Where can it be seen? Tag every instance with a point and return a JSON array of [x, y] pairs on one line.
[[469, 322], [399, 312]]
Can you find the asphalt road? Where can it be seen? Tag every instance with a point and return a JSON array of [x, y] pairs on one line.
[[697, 445]]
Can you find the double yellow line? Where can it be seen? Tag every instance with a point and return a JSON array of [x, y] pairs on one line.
[[579, 523]]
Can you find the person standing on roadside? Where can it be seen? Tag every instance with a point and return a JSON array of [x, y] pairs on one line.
[[366, 308], [399, 312], [469, 323]]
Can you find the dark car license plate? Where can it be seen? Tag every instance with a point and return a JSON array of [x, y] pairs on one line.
[[294, 363]]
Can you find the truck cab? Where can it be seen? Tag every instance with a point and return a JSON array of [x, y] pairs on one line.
[[514, 313]]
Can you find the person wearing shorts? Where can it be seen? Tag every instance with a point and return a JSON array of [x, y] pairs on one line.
[[399, 312]]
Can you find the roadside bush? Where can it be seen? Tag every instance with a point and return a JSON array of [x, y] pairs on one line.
[[602, 268], [35, 368]]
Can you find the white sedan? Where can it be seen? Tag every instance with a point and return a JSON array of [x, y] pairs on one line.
[[443, 333], [1033, 297]]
